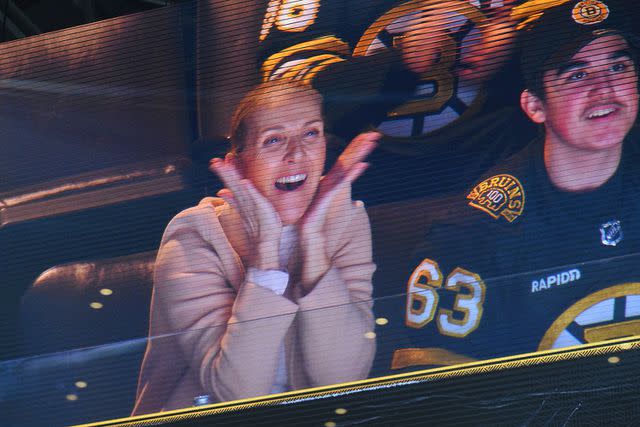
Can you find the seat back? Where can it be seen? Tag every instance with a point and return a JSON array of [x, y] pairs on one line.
[[88, 303], [86, 324]]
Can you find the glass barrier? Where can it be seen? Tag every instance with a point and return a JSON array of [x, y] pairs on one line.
[[502, 221], [565, 306]]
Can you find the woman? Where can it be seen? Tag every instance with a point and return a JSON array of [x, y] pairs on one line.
[[267, 288]]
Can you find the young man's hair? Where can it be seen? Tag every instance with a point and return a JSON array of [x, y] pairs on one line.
[[535, 83], [551, 38]]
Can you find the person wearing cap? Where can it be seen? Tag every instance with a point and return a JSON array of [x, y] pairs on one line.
[[544, 251]]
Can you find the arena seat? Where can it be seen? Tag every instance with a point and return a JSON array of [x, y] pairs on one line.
[[87, 321], [89, 303]]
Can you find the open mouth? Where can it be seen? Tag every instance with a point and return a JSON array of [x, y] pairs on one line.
[[290, 183], [601, 112]]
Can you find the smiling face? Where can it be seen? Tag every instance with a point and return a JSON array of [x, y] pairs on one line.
[[591, 101], [284, 149]]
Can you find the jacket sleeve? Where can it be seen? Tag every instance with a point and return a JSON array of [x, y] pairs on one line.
[[335, 321], [231, 339]]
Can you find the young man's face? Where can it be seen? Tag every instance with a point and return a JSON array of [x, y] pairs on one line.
[[591, 102]]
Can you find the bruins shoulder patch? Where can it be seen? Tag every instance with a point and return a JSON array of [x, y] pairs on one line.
[[589, 12], [500, 195]]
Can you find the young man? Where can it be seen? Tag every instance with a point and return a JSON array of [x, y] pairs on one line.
[[544, 252]]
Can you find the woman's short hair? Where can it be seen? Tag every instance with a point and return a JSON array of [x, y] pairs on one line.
[[260, 96]]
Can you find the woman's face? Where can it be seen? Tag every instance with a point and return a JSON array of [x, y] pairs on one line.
[[284, 151]]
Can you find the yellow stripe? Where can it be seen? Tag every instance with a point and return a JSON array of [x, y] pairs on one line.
[[294, 73], [609, 332], [461, 7], [485, 367], [534, 7], [299, 70], [328, 43], [529, 20], [406, 357], [563, 321], [308, 78]]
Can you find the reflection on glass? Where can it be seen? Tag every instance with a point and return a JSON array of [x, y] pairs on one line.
[[98, 383], [267, 288]]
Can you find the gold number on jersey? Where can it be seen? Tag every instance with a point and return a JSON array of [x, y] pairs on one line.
[[423, 299], [442, 75], [289, 15], [468, 303], [297, 15], [422, 296]]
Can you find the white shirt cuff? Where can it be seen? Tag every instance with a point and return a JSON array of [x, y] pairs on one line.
[[275, 280]]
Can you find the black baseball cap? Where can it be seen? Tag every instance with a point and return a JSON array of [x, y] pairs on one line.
[[554, 35]]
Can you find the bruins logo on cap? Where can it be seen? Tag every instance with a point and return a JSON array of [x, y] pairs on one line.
[[589, 12], [500, 195]]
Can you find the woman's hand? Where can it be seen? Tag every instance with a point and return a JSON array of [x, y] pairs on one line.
[[337, 183], [260, 218]]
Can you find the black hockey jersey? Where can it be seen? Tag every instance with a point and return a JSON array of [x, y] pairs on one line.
[[521, 266], [345, 48]]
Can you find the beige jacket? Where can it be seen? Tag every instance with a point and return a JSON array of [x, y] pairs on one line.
[[211, 332]]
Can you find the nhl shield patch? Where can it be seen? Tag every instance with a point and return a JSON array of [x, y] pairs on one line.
[[500, 195], [611, 233]]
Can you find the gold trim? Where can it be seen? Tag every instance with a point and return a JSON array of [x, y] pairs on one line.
[[299, 70], [309, 76], [467, 369], [572, 312], [288, 21], [479, 305], [607, 332], [511, 206], [407, 357], [534, 7], [441, 72], [328, 43], [294, 73], [529, 21], [431, 285], [462, 7]]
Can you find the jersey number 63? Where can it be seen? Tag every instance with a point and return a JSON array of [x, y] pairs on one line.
[[423, 299]]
